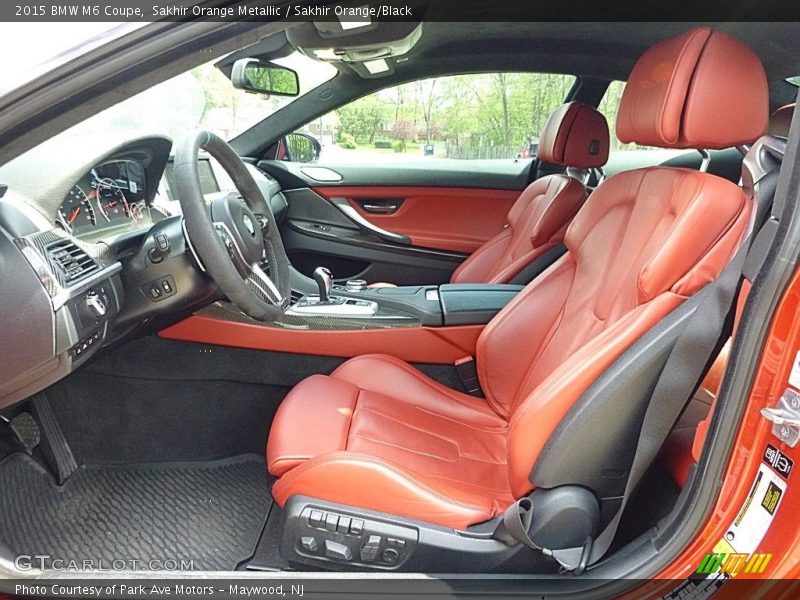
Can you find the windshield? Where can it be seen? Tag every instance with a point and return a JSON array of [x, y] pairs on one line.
[[40, 47], [200, 98], [205, 98]]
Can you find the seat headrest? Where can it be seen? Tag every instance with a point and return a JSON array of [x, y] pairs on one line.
[[575, 135], [780, 120], [702, 89]]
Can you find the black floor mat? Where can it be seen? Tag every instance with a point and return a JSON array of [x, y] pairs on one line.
[[202, 515]]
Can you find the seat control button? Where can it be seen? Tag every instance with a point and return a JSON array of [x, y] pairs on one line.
[[344, 525], [309, 543], [369, 551], [390, 556], [331, 521], [316, 518], [337, 551], [356, 525]]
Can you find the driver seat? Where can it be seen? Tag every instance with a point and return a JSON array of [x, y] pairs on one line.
[[379, 435]]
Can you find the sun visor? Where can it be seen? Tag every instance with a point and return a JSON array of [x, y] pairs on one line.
[[369, 47]]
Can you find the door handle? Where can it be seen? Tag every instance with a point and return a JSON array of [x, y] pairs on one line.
[[380, 206], [381, 209], [344, 206]]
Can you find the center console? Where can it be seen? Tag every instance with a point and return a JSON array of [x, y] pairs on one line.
[[432, 324], [430, 305]]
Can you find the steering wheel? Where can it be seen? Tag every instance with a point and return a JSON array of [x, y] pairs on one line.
[[236, 237]]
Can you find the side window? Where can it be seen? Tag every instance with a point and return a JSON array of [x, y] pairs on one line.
[[484, 116]]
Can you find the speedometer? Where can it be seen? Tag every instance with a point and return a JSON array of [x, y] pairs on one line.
[[76, 212]]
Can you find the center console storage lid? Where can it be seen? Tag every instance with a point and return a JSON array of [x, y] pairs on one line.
[[474, 303]]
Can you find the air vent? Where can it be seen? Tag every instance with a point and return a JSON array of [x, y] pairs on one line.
[[69, 261]]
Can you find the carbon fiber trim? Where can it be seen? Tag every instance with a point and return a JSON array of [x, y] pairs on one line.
[[383, 320]]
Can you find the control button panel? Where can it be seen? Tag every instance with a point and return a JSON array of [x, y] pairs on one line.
[[92, 308], [86, 344], [160, 288], [89, 313], [332, 536]]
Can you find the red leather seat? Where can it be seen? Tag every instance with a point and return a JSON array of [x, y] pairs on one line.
[[377, 434], [575, 135]]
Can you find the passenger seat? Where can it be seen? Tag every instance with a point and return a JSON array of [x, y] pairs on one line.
[[575, 136]]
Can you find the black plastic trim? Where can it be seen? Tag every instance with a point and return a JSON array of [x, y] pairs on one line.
[[428, 548], [474, 303], [608, 416]]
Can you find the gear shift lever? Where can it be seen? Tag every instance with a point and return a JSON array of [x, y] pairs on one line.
[[324, 281]]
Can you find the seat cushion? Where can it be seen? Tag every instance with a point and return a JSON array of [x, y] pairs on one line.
[[427, 451]]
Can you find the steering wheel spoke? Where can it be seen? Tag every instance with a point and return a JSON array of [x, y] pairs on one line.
[[258, 281], [252, 273]]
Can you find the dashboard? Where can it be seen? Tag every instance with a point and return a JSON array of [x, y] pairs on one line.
[[110, 199], [91, 236]]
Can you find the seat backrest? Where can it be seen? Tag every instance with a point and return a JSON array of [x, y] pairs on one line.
[[575, 135], [644, 241]]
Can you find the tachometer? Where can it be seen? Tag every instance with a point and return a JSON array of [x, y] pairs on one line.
[[76, 212], [111, 201]]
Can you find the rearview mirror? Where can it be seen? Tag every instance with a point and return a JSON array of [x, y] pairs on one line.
[[253, 75]]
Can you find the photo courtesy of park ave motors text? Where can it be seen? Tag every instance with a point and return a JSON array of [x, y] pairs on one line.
[[399, 298]]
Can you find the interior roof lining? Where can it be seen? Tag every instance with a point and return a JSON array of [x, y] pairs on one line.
[[589, 48]]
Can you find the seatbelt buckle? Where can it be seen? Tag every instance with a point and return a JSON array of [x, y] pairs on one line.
[[575, 560], [467, 372]]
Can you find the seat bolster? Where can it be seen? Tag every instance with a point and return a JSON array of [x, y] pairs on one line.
[[479, 266], [514, 268], [313, 419], [374, 484]]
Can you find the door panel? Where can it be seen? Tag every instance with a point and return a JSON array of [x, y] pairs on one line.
[[475, 174], [390, 223], [316, 233], [442, 218]]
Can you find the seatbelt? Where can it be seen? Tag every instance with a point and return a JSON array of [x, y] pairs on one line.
[[679, 378], [514, 528]]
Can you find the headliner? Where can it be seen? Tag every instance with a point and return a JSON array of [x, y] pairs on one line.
[[605, 50]]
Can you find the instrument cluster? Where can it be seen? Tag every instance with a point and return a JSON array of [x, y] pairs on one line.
[[109, 199]]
